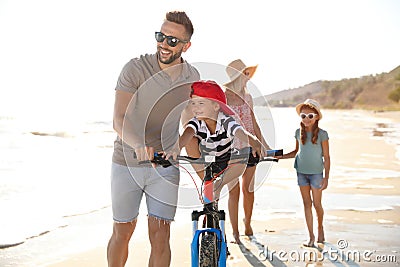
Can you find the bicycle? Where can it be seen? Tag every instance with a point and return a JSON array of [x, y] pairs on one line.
[[209, 247]]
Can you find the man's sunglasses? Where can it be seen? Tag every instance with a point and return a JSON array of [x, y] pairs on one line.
[[309, 115], [171, 40]]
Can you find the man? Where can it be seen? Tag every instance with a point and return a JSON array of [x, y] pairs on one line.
[[151, 93]]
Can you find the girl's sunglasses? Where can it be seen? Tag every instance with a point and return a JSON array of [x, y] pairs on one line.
[[309, 115], [171, 40]]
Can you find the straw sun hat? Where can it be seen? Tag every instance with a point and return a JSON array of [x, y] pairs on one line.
[[237, 68], [311, 103]]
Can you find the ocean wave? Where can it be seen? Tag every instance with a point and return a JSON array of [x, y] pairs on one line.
[[360, 202], [390, 132], [13, 241], [55, 134], [90, 127], [85, 213], [342, 172], [11, 244], [12, 237]]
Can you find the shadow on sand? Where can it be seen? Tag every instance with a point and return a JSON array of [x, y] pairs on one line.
[[326, 254]]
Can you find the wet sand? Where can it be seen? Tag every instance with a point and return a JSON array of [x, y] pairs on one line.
[[363, 165]]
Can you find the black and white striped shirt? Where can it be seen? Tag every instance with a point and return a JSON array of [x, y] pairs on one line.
[[219, 143]]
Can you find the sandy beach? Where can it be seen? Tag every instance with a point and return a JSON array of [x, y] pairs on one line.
[[361, 204]]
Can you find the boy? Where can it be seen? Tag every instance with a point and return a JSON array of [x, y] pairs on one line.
[[215, 129]]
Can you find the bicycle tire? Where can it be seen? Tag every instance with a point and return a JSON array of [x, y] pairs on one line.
[[208, 251]]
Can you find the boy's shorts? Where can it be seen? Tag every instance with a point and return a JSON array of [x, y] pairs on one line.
[[309, 179], [128, 184]]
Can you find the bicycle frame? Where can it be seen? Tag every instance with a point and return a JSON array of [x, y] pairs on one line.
[[214, 226], [215, 220]]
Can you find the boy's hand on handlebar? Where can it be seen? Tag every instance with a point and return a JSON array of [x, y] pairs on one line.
[[257, 149], [264, 150]]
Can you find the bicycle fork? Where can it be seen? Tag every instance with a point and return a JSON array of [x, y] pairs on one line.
[[218, 230]]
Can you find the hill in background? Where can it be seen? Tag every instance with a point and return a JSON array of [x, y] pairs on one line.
[[367, 92]]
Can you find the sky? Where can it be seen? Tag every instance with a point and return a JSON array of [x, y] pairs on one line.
[[62, 58]]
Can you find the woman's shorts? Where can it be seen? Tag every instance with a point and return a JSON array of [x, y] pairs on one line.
[[159, 185], [314, 180]]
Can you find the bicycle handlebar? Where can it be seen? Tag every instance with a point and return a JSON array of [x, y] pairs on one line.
[[244, 157]]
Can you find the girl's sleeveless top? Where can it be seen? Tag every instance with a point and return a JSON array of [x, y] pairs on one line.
[[243, 116]]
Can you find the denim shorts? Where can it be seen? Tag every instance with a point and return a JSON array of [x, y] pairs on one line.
[[314, 180], [159, 185]]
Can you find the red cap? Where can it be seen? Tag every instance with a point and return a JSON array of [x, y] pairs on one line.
[[211, 90]]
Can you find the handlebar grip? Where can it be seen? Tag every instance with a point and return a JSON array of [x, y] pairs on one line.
[[274, 152], [158, 159]]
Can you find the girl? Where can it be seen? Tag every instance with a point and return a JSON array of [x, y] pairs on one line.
[[312, 164], [241, 101]]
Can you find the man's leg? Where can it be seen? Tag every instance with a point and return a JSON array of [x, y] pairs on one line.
[[159, 234], [161, 197], [126, 195], [117, 249]]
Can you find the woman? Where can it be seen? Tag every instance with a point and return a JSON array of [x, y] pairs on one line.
[[241, 101]]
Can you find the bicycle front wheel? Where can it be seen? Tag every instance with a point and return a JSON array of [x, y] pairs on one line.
[[209, 250]]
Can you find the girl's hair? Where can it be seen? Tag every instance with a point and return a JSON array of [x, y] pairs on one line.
[[314, 131], [181, 18]]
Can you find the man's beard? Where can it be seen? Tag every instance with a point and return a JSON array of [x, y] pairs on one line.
[[171, 59]]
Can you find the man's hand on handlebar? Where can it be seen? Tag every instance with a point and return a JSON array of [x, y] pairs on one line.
[[173, 152], [144, 153]]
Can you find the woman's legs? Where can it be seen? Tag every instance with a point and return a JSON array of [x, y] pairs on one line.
[[233, 207], [248, 198], [307, 203], [231, 179]]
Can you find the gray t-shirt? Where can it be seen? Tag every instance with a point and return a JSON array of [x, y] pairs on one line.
[[309, 159], [155, 110]]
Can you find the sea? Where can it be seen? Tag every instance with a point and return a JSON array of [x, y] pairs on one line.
[[55, 183]]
